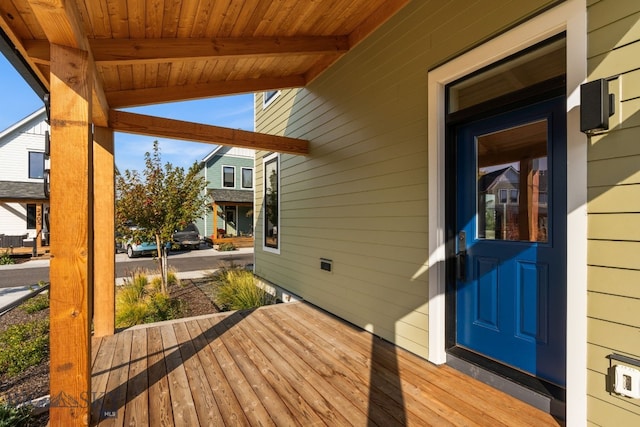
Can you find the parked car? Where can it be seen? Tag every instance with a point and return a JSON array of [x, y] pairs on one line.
[[135, 250], [134, 247], [188, 237]]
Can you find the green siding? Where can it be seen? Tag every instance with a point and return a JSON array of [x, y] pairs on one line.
[[360, 197], [614, 208], [214, 170]]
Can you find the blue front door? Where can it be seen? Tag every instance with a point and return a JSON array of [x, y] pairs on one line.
[[511, 239]]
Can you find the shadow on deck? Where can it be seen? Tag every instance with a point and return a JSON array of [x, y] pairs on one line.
[[286, 364]]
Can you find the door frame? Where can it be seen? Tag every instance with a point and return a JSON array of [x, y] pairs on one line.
[[569, 17]]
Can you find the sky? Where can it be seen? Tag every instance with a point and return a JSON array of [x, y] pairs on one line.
[[19, 101]]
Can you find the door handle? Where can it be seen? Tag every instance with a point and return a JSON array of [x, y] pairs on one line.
[[461, 266], [461, 257]]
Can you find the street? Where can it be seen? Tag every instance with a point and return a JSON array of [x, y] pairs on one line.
[[195, 260]]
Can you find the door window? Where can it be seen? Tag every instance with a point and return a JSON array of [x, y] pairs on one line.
[[512, 183]]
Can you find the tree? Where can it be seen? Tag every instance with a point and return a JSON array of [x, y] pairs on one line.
[[161, 201]]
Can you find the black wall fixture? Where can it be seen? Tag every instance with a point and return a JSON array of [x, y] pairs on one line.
[[596, 106]]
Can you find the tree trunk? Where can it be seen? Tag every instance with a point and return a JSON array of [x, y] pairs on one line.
[[162, 264]]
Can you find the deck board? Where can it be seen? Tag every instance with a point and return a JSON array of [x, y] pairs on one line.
[[160, 413], [288, 364]]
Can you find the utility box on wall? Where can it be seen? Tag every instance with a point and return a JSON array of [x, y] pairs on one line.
[[626, 381]]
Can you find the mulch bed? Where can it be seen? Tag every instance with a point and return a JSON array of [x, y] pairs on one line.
[[34, 382]]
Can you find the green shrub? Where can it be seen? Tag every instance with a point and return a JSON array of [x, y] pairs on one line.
[[162, 307], [11, 416], [23, 345], [139, 301], [6, 259], [36, 303], [237, 290], [227, 246]]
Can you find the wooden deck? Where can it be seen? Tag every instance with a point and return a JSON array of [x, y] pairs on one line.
[[287, 364]]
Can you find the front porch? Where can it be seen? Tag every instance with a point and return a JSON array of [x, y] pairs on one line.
[[287, 364]]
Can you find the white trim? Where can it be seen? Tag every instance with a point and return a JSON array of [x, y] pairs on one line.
[[224, 187], [270, 101], [242, 178], [264, 189], [570, 16]]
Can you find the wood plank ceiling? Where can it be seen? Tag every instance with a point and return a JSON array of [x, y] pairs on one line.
[[158, 51]]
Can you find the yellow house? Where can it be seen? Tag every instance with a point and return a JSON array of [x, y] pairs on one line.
[[401, 130], [376, 120]]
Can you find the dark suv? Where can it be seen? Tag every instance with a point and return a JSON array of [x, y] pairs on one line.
[[189, 237]]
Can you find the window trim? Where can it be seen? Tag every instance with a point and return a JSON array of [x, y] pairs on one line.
[[268, 101], [242, 179], [265, 160], [513, 200], [234, 176], [29, 164], [503, 200]]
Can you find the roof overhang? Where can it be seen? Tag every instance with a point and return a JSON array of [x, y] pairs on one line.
[[187, 50]]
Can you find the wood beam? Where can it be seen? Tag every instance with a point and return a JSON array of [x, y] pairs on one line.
[[104, 232], [150, 51], [71, 218], [61, 22], [22, 51], [24, 201], [138, 97], [121, 121], [370, 24], [155, 51]]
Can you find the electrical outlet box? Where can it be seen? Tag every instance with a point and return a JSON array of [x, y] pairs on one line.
[[626, 381]]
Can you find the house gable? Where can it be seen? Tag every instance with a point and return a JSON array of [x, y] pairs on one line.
[[15, 144]]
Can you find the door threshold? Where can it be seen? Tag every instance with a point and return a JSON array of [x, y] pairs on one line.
[[535, 392]]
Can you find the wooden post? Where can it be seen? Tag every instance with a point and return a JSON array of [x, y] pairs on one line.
[[524, 207], [71, 220], [215, 221], [38, 227], [104, 233]]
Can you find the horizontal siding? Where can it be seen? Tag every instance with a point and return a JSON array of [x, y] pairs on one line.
[[614, 209], [360, 196], [13, 220], [615, 144], [615, 281], [214, 170], [14, 156], [616, 226]]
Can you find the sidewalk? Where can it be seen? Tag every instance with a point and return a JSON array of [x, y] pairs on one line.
[[9, 295]]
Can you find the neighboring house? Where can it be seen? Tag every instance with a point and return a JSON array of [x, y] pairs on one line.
[[499, 199], [23, 205], [229, 175], [379, 223]]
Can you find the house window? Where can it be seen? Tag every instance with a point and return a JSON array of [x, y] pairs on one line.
[[502, 196], [247, 178], [268, 97], [272, 203], [31, 217], [228, 176], [36, 165], [513, 196]]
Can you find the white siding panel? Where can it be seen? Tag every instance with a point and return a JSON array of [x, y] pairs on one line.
[[13, 220]]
